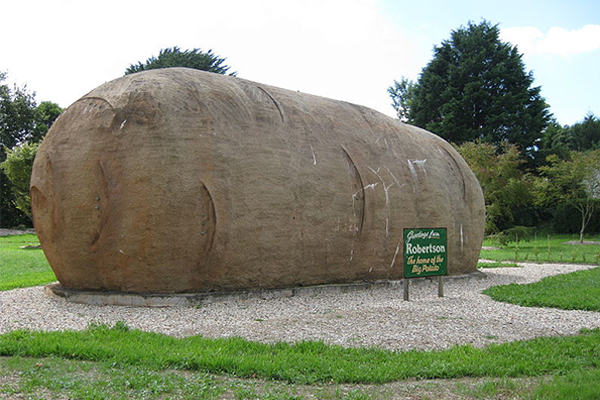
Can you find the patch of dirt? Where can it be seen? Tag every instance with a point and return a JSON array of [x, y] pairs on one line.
[[11, 232], [585, 243], [31, 247], [490, 248], [8, 382]]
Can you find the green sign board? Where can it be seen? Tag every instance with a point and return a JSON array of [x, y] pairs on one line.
[[425, 252]]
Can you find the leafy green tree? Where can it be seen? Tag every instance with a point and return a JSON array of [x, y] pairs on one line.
[[45, 115], [174, 57], [475, 87], [574, 181], [17, 115], [21, 122], [402, 94], [17, 167], [506, 188]]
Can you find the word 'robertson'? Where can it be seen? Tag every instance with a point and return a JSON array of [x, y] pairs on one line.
[[418, 249]]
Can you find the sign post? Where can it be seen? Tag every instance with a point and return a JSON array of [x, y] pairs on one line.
[[425, 254]]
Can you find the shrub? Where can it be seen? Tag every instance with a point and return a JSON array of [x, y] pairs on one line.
[[513, 235], [17, 167]]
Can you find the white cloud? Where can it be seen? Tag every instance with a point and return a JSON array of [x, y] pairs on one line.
[[334, 48], [557, 41]]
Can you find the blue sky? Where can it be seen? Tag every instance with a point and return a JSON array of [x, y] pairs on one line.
[[349, 50]]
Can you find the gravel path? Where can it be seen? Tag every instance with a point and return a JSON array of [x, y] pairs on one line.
[[377, 317]]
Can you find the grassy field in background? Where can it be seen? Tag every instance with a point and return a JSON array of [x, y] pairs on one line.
[[545, 249], [22, 267]]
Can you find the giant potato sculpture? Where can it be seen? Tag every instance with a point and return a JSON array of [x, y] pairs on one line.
[[177, 180]]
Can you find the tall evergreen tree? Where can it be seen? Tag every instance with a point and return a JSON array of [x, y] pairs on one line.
[[560, 140], [475, 87], [174, 57], [585, 135]]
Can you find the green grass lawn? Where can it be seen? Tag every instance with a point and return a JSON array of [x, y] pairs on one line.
[[575, 291], [62, 378], [306, 362], [22, 267], [546, 249], [569, 359]]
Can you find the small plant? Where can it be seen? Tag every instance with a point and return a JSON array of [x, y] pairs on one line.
[[122, 326], [492, 389], [536, 253], [356, 394], [513, 235]]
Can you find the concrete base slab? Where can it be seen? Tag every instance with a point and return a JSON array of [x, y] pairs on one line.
[[102, 298]]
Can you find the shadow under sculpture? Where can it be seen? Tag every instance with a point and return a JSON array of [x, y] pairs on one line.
[[177, 180]]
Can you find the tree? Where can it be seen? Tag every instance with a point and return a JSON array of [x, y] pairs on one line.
[[505, 188], [585, 135], [45, 115], [475, 87], [21, 122], [556, 140], [402, 94], [17, 111], [17, 167], [574, 181], [17, 115], [174, 57]]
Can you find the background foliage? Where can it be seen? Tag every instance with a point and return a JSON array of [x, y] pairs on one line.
[[22, 122], [17, 167], [534, 172]]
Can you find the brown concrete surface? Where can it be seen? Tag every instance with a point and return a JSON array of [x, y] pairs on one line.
[[178, 180]]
